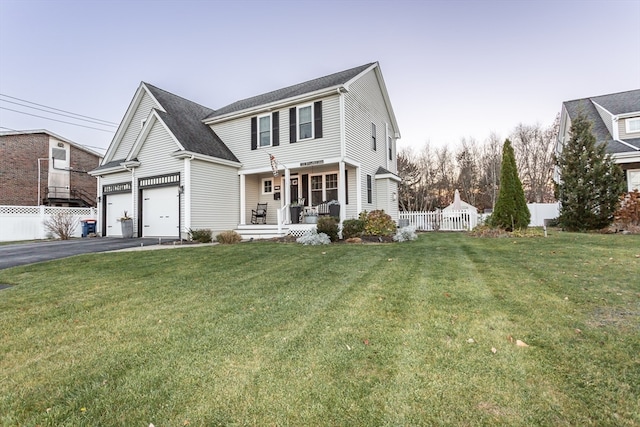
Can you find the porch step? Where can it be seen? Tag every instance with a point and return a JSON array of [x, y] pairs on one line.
[[269, 231]]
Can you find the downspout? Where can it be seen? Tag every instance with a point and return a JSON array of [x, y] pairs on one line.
[[187, 197]]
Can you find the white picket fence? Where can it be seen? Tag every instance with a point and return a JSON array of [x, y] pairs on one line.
[[27, 222], [461, 220]]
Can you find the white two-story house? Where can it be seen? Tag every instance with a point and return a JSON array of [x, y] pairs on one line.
[[176, 166], [615, 122]]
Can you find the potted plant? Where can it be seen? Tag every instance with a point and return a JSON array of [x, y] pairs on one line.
[[294, 209], [126, 223], [334, 208], [311, 217]]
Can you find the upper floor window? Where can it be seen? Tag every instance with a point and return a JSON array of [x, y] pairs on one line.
[[305, 122], [390, 149], [373, 136], [632, 125], [264, 131]]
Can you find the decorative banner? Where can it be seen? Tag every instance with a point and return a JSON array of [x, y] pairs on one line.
[[274, 164]]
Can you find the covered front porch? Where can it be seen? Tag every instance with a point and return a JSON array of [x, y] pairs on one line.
[[295, 195]]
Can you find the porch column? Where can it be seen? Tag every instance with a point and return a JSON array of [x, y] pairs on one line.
[[187, 195], [342, 196], [287, 194], [243, 202], [358, 190]]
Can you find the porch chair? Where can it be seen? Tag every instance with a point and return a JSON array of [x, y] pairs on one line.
[[259, 215]]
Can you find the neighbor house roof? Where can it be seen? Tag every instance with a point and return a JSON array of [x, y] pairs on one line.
[[184, 120], [616, 104], [44, 131], [299, 89]]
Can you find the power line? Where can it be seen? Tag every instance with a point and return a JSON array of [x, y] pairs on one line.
[[60, 114], [57, 109], [55, 120]]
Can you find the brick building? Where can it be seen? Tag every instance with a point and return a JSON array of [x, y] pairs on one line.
[[39, 167]]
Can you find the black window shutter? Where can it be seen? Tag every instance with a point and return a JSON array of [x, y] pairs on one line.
[[346, 187], [254, 133], [275, 128], [292, 125], [317, 118], [305, 189]]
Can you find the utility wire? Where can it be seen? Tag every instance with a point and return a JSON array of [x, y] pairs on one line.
[[57, 109], [60, 114], [55, 120]]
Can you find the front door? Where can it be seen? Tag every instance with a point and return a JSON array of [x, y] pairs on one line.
[[293, 190]]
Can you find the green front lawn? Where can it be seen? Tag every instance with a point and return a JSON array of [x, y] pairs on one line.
[[418, 333]]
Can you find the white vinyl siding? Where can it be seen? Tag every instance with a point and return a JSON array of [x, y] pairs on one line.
[[384, 189], [606, 118], [236, 134], [134, 128], [215, 196], [364, 107], [155, 159]]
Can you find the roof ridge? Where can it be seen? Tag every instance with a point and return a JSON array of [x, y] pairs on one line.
[[604, 95], [178, 96]]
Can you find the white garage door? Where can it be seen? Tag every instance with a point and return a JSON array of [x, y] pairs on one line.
[[160, 212], [116, 205]]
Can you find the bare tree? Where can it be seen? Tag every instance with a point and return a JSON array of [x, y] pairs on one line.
[[467, 159], [533, 146], [489, 174], [411, 175], [444, 176]]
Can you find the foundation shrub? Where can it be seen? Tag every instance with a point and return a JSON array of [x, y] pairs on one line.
[[352, 228], [202, 235], [378, 223], [329, 226], [228, 237]]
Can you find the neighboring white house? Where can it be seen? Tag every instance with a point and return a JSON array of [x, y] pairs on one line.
[[616, 123], [175, 165]]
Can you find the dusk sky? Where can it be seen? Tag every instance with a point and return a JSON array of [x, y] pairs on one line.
[[453, 69]]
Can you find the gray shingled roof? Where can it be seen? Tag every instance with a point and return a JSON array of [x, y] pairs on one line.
[[325, 82], [110, 164], [620, 103], [184, 119], [616, 103]]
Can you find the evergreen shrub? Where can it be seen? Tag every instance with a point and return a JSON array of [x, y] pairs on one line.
[[202, 235]]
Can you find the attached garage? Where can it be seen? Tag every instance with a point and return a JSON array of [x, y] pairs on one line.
[[117, 200], [160, 203], [160, 212]]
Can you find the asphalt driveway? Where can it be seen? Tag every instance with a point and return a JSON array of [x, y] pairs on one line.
[[13, 255]]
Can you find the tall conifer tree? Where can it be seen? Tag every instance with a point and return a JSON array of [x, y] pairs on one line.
[[590, 182], [511, 211]]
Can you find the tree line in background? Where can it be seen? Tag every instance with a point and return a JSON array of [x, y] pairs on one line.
[[431, 176]]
